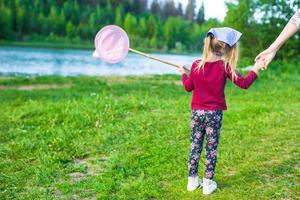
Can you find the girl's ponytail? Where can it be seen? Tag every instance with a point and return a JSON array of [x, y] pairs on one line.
[[231, 59], [206, 51]]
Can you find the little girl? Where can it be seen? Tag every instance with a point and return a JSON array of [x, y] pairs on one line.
[[207, 80]]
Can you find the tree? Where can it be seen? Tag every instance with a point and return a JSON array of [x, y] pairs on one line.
[[153, 43], [179, 10], [245, 23], [130, 24], [169, 9], [190, 10], [170, 32], [83, 30], [142, 31], [182, 32], [5, 22], [151, 27], [201, 14], [61, 23], [68, 8], [70, 30], [93, 24], [53, 19], [98, 16], [108, 13], [76, 13], [119, 15], [274, 16], [20, 18], [42, 22], [155, 8], [138, 6]]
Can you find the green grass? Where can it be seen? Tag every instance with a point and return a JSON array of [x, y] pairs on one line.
[[128, 138]]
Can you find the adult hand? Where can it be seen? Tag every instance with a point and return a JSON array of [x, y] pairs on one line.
[[267, 56], [182, 69], [259, 65]]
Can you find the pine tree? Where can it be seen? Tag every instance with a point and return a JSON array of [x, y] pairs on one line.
[[170, 32], [201, 14], [70, 30], [130, 24], [190, 10], [142, 31], [179, 10], [53, 19], [83, 30], [138, 6], [151, 27], [5, 22], [20, 18], [155, 8], [42, 22], [169, 9], [108, 13], [119, 15], [93, 24], [61, 24], [153, 43]]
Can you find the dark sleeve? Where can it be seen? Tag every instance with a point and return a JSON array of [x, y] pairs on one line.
[[240, 81], [187, 81]]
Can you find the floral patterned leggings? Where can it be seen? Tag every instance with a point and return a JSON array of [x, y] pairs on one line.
[[206, 123]]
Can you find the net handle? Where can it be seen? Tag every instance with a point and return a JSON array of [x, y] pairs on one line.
[[154, 58]]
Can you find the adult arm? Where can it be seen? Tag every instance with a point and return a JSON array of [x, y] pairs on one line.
[[289, 30]]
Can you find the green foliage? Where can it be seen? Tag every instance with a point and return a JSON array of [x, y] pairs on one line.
[[201, 14], [151, 27], [20, 18], [190, 10], [244, 23], [261, 22], [50, 19], [130, 24], [43, 24], [70, 30], [169, 32], [162, 26], [119, 12], [142, 30], [273, 24], [5, 21], [177, 31]]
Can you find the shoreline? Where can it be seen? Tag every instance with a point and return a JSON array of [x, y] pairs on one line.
[[11, 76]]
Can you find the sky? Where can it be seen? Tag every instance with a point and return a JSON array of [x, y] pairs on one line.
[[213, 8]]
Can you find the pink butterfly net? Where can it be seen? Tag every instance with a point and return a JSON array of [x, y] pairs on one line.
[[112, 44]]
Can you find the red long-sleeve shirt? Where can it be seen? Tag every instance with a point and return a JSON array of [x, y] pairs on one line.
[[208, 84]]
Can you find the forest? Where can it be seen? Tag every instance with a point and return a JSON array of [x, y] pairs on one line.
[[163, 26]]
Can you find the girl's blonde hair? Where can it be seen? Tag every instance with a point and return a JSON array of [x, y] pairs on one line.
[[219, 48]]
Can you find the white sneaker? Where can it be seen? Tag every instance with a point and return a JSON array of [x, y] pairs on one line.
[[209, 186], [193, 183]]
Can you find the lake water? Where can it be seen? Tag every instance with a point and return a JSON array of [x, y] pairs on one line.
[[42, 61]]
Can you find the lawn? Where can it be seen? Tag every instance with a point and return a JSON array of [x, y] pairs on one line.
[[128, 138]]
